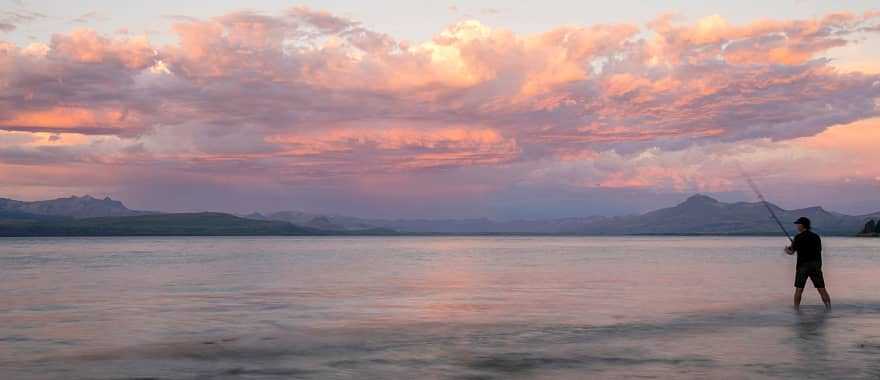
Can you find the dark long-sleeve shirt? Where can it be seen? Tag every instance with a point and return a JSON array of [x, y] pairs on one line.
[[808, 246]]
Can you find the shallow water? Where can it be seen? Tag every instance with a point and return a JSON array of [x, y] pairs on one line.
[[432, 308]]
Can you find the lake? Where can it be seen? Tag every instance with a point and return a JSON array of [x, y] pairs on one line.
[[432, 308]]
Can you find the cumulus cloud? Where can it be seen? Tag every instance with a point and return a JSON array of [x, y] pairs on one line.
[[307, 94]]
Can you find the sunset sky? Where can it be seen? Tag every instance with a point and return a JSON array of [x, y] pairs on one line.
[[486, 108]]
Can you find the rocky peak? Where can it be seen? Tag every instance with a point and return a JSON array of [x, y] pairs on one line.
[[700, 199], [85, 206]]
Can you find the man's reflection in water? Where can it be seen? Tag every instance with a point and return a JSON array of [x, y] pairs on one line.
[[811, 342]]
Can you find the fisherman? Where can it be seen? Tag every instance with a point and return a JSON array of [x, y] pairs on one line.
[[808, 247]]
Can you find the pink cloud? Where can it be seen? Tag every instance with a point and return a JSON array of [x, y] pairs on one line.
[[763, 41], [403, 147], [307, 95], [307, 68], [86, 46], [74, 119]]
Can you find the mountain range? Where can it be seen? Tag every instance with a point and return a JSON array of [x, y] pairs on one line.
[[88, 216], [701, 214], [75, 207], [697, 215]]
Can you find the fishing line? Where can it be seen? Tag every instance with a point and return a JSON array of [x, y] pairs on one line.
[[764, 201]]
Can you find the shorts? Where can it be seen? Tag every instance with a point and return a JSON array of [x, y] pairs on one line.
[[811, 270]]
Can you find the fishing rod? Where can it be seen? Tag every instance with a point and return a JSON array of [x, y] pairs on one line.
[[764, 201]]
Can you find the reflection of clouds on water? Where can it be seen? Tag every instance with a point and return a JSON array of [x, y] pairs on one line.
[[499, 350], [432, 308], [519, 362], [826, 343]]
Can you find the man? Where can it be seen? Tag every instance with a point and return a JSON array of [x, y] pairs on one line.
[[809, 262]]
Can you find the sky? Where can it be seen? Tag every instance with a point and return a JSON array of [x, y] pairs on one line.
[[408, 109]]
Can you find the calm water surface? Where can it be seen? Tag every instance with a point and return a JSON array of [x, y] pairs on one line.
[[432, 308]]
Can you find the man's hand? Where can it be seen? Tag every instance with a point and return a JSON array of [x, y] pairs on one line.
[[789, 251]]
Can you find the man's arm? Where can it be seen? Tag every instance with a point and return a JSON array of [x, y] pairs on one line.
[[793, 247]]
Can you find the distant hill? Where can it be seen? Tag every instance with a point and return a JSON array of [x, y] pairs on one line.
[[324, 222], [701, 214], [207, 223], [75, 207], [88, 216], [427, 226], [698, 215]]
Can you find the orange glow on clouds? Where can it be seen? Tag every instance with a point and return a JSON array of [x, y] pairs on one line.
[[86, 46], [69, 118], [306, 96], [407, 148]]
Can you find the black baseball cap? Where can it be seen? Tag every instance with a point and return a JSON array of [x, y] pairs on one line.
[[804, 221]]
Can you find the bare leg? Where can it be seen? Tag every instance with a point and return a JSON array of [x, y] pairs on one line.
[[826, 299], [797, 298]]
